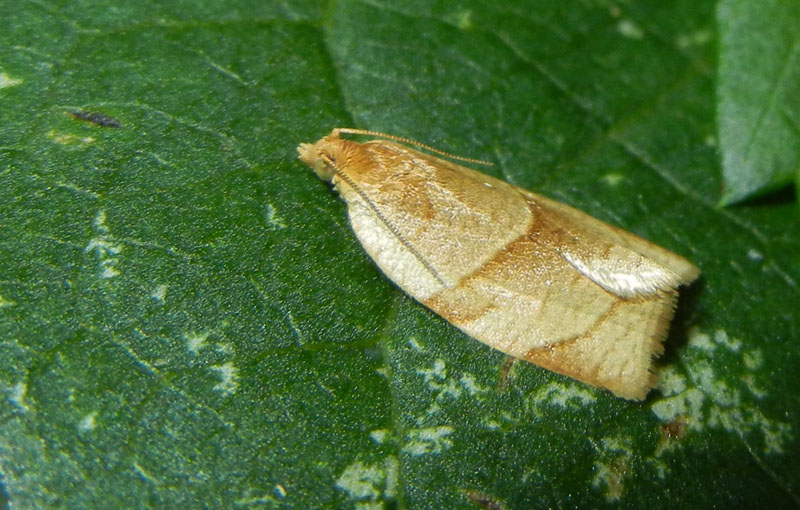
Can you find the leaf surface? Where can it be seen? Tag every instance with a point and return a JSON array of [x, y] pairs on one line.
[[187, 320]]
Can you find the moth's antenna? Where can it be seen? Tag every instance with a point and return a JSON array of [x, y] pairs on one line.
[[352, 131]]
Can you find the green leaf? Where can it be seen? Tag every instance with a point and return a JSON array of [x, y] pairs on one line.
[[187, 320], [759, 113]]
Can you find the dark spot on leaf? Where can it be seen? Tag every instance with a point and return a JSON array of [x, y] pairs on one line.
[[100, 119], [484, 500]]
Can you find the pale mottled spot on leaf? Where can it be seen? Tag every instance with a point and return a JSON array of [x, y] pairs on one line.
[[612, 466], [17, 395], [229, 377], [721, 337], [104, 247], [88, 422], [70, 139], [471, 385], [491, 424], [392, 472], [754, 388], [462, 19], [160, 293], [195, 341], [630, 29], [702, 341], [412, 341], [223, 347], [7, 81], [697, 38], [379, 435], [256, 501], [753, 359], [709, 399], [561, 395], [670, 381], [428, 440], [613, 179], [273, 219], [445, 387], [370, 483], [437, 381]]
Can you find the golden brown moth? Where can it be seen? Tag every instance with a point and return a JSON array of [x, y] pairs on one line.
[[531, 277]]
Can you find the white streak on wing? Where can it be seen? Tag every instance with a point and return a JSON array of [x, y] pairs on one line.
[[617, 278]]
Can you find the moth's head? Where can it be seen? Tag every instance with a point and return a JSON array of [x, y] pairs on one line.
[[324, 156]]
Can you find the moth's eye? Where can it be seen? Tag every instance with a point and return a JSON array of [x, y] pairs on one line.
[[328, 158], [324, 165]]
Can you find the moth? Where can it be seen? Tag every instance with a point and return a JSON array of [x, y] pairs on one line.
[[524, 274]]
